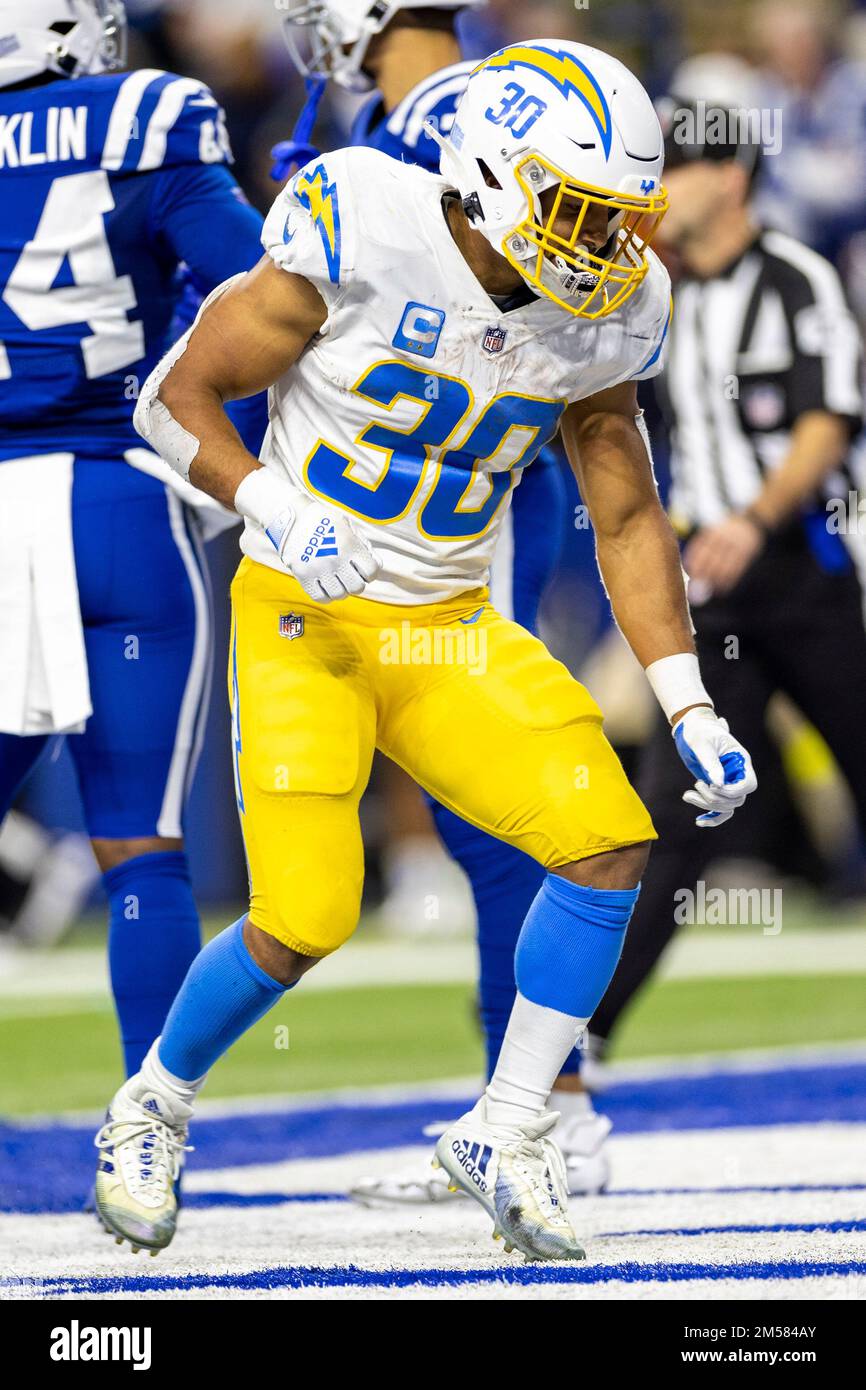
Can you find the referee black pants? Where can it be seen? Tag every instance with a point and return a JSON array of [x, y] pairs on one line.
[[786, 626]]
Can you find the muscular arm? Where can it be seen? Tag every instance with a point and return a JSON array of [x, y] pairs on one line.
[[637, 552], [242, 344], [640, 564]]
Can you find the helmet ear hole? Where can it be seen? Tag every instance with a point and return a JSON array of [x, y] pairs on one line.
[[488, 176]]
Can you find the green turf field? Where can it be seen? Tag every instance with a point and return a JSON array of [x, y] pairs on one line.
[[404, 1033]]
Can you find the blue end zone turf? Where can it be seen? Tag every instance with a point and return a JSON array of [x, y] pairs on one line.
[[49, 1168]]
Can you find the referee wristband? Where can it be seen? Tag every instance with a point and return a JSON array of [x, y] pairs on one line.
[[676, 682]]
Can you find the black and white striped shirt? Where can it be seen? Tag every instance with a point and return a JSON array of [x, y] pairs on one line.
[[751, 350]]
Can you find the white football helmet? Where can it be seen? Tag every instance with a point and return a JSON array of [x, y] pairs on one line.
[[332, 36], [70, 37], [560, 115]]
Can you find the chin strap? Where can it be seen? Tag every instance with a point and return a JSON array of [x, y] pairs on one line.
[[291, 155]]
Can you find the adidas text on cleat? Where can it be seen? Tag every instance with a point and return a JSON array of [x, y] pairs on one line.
[[141, 1147], [518, 1176]]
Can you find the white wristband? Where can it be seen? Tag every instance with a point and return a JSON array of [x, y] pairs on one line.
[[269, 500], [676, 682]]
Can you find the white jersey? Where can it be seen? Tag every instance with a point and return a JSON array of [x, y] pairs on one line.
[[419, 403]]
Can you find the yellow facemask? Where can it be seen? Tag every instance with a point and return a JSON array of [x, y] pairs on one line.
[[604, 282]]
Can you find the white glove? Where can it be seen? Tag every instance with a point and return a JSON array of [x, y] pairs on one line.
[[721, 764], [317, 543], [325, 554]]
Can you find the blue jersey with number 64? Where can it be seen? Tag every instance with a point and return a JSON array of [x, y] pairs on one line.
[[107, 184]]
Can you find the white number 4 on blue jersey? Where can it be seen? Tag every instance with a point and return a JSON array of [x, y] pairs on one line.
[[72, 228]]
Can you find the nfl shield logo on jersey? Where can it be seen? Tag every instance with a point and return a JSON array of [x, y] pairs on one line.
[[764, 405], [494, 339], [291, 625]]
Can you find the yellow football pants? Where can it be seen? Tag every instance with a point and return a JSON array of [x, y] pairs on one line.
[[473, 707]]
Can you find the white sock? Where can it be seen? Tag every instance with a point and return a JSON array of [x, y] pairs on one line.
[[155, 1077], [537, 1042]]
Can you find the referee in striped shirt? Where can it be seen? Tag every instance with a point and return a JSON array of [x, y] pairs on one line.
[[762, 396]]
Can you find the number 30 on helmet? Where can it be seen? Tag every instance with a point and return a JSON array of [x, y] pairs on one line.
[[550, 139]]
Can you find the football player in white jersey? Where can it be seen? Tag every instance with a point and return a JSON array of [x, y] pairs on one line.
[[410, 56], [405, 404]]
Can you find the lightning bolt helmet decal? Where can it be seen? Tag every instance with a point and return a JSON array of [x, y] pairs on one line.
[[567, 73]]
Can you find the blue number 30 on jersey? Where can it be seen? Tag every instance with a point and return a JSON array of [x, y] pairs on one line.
[[447, 401]]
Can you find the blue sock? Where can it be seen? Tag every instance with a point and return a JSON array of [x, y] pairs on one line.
[[223, 995], [504, 884], [570, 945], [153, 938]]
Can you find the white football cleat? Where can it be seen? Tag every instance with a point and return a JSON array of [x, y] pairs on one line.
[[581, 1142], [141, 1146], [414, 1188], [518, 1176], [418, 1186]]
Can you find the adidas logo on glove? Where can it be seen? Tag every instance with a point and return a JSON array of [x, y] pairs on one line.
[[322, 543]]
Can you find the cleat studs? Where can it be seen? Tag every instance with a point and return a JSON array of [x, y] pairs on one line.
[[434, 1163], [118, 1240], [153, 1254], [452, 1187], [135, 1249], [509, 1249]]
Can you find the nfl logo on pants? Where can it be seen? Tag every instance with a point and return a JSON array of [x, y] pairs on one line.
[[291, 625]]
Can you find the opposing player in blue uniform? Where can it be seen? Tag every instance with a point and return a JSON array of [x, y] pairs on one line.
[[408, 58], [109, 182]]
